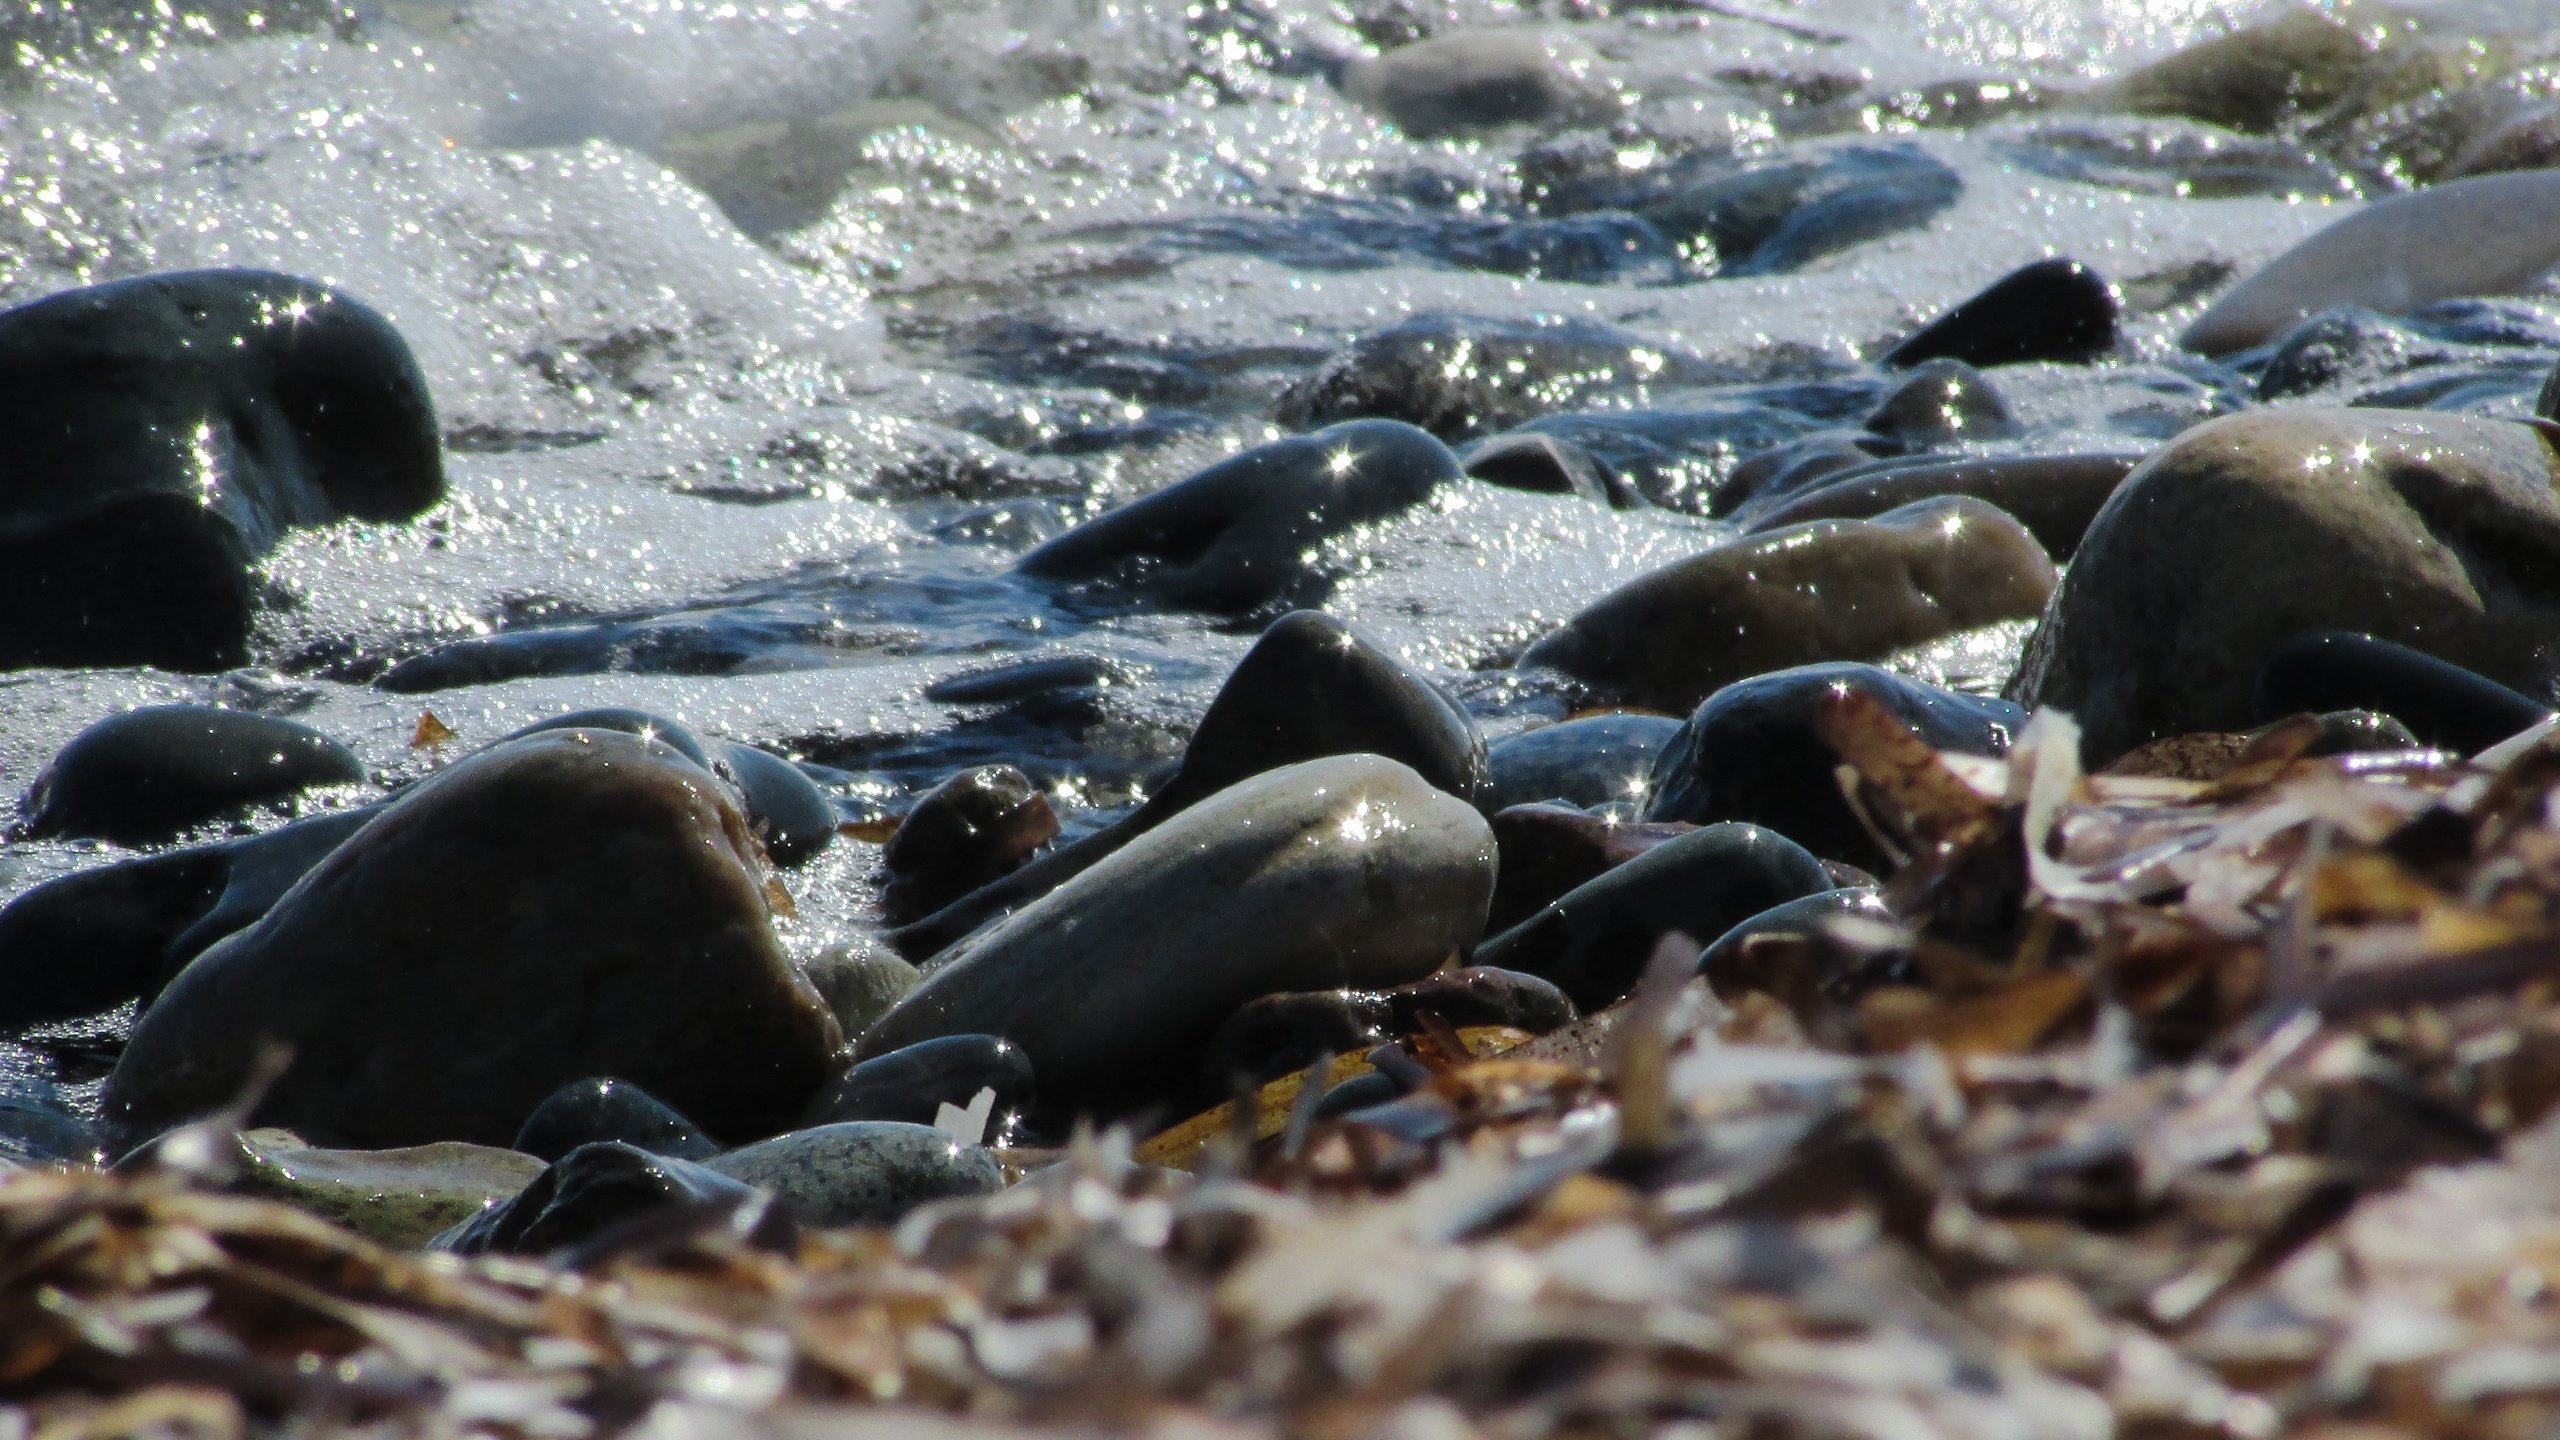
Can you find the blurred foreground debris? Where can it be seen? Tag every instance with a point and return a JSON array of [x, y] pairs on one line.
[[2212, 1098]]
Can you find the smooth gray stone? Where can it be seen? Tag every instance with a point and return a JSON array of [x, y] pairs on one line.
[[1237, 535], [1593, 760], [1824, 590], [164, 432], [585, 1111], [793, 816], [1310, 687], [861, 979], [1595, 942], [1348, 871], [869, 1172], [1476, 79], [148, 775], [568, 904], [2434, 531]]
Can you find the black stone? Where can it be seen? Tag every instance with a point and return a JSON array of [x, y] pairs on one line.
[[164, 432], [1595, 942], [1593, 760], [600, 1188], [1547, 465], [2440, 703], [2054, 496], [1751, 752], [915, 1082], [1944, 402], [584, 1112], [2334, 345], [1547, 850], [1023, 679], [91, 940], [971, 830], [792, 815], [1722, 961], [674, 734], [1233, 537], [2054, 309], [1281, 1034], [1805, 463], [1309, 688], [148, 775]]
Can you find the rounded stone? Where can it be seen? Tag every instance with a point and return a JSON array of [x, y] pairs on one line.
[[623, 719], [401, 1197], [861, 979], [2054, 496], [1236, 535], [2438, 532], [1477, 79], [592, 1191], [1752, 752], [1547, 465], [1824, 590], [1729, 964], [1459, 375], [569, 904], [150, 774], [602, 1108], [2487, 235], [1279, 1034], [1595, 942], [1548, 849], [1943, 402], [793, 817], [2051, 309], [2440, 703], [1310, 687], [1589, 760], [867, 1173], [972, 829], [163, 432], [1348, 871], [914, 1083]]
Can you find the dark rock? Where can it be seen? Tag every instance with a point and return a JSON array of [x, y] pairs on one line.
[[1751, 752], [585, 1111], [1590, 760], [2054, 496], [2360, 732], [164, 432], [1825, 590], [1595, 942], [1281, 1034], [1546, 465], [1023, 679], [93, 939], [914, 1084], [1310, 687], [1235, 536], [2440, 532], [792, 815], [1944, 402], [972, 829], [1734, 965], [563, 905], [1463, 375], [1802, 464], [1769, 217], [2547, 404], [1683, 459], [647, 724], [2052, 309], [147, 775], [256, 872], [867, 1173], [1548, 850], [1343, 871], [2334, 345], [595, 1189], [861, 979], [39, 1127], [2439, 702]]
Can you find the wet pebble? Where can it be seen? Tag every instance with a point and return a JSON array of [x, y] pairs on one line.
[[1549, 849], [1824, 590], [1344, 871], [1595, 941], [2439, 702], [2054, 496], [1236, 535], [1459, 375], [1727, 963], [2052, 309], [618, 924], [1752, 752], [1280, 1034], [601, 1108], [401, 1198], [914, 1083], [2440, 532], [866, 1173], [39, 1126], [968, 831], [1476, 79], [148, 775], [1806, 463], [1311, 686], [1547, 465], [1589, 760], [860, 979], [593, 1190], [1943, 402], [793, 817], [164, 432], [1773, 216]]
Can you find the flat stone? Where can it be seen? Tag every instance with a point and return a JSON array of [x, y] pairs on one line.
[[401, 1197], [1824, 590], [148, 775], [1348, 871], [617, 923], [2438, 532]]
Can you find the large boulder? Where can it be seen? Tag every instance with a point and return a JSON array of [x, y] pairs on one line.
[[570, 904], [2438, 532], [1349, 871], [163, 432]]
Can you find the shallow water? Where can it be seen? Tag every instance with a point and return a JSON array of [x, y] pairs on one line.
[[756, 448]]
